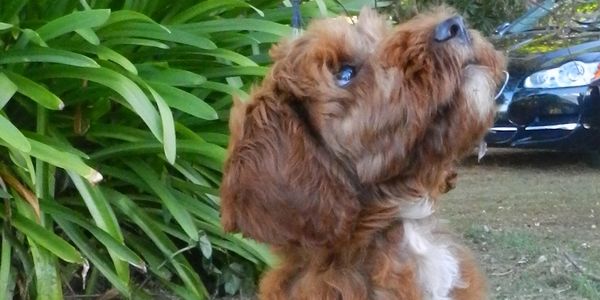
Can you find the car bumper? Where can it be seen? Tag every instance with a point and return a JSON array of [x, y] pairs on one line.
[[561, 119]]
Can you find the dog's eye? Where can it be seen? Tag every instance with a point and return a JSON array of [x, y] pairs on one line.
[[345, 75]]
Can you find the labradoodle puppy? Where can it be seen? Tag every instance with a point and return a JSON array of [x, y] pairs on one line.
[[339, 158]]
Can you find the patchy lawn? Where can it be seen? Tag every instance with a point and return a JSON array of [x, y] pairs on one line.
[[533, 219]]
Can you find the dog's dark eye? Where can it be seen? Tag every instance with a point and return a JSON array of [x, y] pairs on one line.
[[345, 75]]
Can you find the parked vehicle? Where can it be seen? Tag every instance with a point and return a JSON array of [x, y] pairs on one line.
[[552, 98]]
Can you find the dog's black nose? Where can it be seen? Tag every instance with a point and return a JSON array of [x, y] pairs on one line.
[[450, 29]]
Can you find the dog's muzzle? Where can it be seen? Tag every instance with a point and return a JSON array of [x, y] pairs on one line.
[[452, 29]]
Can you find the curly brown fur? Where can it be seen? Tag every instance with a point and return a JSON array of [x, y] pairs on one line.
[[342, 181]]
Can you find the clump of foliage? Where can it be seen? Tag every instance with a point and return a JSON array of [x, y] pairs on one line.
[[113, 130], [482, 14]]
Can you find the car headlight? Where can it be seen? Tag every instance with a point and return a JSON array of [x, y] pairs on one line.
[[573, 73]]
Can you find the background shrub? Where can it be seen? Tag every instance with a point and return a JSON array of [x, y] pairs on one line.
[[482, 14]]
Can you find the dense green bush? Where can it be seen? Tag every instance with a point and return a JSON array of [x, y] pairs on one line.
[[113, 128], [484, 15]]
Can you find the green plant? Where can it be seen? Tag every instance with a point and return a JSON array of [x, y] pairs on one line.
[[113, 129], [483, 15]]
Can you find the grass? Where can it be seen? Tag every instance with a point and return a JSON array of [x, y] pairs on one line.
[[529, 215]]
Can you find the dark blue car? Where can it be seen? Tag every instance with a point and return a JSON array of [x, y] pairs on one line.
[[552, 98]]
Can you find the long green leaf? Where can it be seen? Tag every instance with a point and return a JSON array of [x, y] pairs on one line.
[[92, 254], [161, 241], [205, 6], [112, 244], [5, 266], [4, 26], [48, 281], [235, 71], [168, 124], [179, 212], [148, 250], [136, 42], [153, 31], [185, 101], [63, 160], [225, 88], [40, 54], [89, 35], [223, 25], [58, 142], [105, 53], [120, 84], [7, 89], [45, 238], [127, 15], [170, 76], [193, 147], [104, 217], [35, 91], [230, 56], [11, 135], [73, 21]]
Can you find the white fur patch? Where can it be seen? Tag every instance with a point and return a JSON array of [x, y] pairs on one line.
[[478, 88], [438, 271], [416, 210]]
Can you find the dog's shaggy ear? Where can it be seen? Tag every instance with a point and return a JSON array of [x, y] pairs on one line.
[[276, 187]]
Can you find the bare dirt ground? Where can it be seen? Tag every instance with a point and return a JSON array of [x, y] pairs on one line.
[[533, 220]]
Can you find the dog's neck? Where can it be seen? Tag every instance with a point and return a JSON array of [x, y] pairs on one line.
[[409, 226]]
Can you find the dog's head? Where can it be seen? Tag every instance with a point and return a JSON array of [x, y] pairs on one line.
[[352, 112]]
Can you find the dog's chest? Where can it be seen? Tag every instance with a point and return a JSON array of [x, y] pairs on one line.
[[437, 270]]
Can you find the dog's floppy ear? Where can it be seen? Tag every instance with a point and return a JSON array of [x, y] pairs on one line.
[[276, 188]]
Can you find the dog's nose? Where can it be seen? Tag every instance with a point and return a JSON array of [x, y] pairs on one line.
[[453, 28]]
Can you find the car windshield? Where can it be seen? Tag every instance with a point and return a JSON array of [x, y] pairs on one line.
[[552, 14]]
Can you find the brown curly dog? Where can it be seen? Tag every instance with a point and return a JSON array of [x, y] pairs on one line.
[[339, 158]]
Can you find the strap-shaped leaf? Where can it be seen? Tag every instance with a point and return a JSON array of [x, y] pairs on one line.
[[5, 265], [35, 91], [130, 91], [4, 26], [41, 54], [112, 244], [103, 216], [160, 239], [222, 25], [63, 160], [229, 55], [89, 35], [105, 53], [185, 101], [168, 124], [136, 42], [235, 71], [11, 135], [45, 238], [73, 21], [206, 6], [153, 31], [170, 76], [103, 266], [183, 146], [179, 212], [7, 89], [127, 15]]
